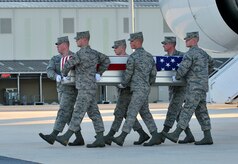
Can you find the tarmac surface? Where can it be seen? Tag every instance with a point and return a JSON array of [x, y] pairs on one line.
[[21, 144]]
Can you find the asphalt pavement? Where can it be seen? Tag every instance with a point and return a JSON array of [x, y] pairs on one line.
[[21, 144]]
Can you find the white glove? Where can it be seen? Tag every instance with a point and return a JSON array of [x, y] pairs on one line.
[[174, 79], [66, 78], [98, 77], [120, 86], [58, 78]]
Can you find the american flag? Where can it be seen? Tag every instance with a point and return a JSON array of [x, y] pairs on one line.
[[63, 61], [167, 63]]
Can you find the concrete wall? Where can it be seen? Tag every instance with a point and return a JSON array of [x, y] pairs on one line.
[[34, 31]]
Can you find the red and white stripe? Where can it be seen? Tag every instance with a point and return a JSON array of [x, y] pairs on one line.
[[63, 61], [117, 63]]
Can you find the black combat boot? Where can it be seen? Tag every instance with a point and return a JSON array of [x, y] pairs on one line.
[[120, 139], [207, 140], [174, 136], [143, 137], [155, 140], [166, 130], [108, 137], [64, 139], [79, 141], [189, 137], [50, 138], [99, 142]]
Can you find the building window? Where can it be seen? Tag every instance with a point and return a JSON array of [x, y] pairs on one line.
[[166, 27], [126, 25], [5, 25], [68, 25]]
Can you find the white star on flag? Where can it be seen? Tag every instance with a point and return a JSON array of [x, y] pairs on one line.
[[167, 63]]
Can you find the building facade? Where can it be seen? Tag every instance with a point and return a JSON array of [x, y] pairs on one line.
[[29, 29]]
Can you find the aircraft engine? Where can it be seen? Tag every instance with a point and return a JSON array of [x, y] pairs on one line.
[[216, 21]]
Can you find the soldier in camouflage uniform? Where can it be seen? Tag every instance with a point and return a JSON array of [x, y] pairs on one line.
[[195, 69], [140, 73], [176, 94], [122, 104], [53, 69], [68, 94], [85, 62]]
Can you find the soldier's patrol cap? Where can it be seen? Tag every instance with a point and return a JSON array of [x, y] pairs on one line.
[[190, 35], [63, 39], [83, 34], [137, 35], [119, 43], [169, 39]]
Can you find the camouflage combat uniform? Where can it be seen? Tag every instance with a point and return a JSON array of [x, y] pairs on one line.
[[195, 68], [85, 62], [53, 69], [176, 99], [121, 109], [68, 94], [140, 73]]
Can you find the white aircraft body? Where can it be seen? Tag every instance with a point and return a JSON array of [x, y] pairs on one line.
[[217, 23]]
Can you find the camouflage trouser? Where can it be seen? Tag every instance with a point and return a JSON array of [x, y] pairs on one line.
[[60, 93], [175, 106], [65, 111], [195, 101], [139, 104], [121, 109], [86, 102]]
